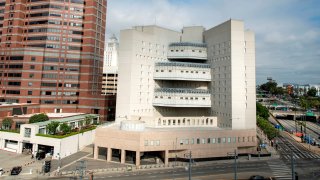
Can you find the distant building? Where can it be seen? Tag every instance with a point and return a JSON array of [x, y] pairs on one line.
[[185, 91], [300, 90], [110, 67]]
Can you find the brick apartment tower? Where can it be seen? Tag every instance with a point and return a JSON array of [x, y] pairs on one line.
[[51, 53]]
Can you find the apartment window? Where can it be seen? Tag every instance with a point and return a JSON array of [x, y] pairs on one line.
[[31, 66], [30, 83], [223, 140], [213, 140], [203, 141], [29, 92], [219, 140], [31, 75], [27, 132], [208, 141], [191, 141], [146, 143], [198, 141], [229, 140]]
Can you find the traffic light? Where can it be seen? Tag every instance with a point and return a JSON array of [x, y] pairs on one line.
[[47, 166]]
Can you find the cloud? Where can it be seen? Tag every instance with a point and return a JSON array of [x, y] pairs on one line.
[[287, 31]]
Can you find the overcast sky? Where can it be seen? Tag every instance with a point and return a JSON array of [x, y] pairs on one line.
[[287, 31]]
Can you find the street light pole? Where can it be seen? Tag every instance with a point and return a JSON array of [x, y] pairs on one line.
[[235, 164]]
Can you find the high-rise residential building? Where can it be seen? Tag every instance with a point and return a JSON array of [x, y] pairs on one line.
[[110, 67], [51, 52], [185, 91]]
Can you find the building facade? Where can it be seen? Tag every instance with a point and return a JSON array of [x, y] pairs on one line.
[[192, 90], [51, 53]]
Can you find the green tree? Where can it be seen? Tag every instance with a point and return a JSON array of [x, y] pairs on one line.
[[312, 92], [7, 123], [262, 111], [270, 87], [304, 103], [52, 127], [38, 118], [65, 128]]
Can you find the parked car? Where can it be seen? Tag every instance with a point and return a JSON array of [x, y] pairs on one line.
[[1, 171], [256, 177], [16, 170]]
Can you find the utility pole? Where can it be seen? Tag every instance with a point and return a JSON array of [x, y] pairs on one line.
[[190, 158], [234, 154], [81, 168], [190, 161]]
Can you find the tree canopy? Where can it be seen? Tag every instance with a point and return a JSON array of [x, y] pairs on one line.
[[271, 88], [7, 122], [262, 111], [38, 118], [312, 92]]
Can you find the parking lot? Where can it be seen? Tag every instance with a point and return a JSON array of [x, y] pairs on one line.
[[8, 160]]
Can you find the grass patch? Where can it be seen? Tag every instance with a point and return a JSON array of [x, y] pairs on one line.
[[67, 135], [11, 131]]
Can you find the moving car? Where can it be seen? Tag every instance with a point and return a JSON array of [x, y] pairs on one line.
[[16, 170]]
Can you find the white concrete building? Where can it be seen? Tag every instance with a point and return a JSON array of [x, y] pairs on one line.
[[31, 137], [192, 90]]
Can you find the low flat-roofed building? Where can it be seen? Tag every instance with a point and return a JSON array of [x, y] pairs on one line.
[[34, 137]]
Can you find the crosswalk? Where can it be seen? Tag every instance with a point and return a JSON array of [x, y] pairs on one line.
[[280, 170], [301, 156]]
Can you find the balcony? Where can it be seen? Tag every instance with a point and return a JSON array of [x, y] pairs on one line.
[[181, 97], [182, 71], [185, 51]]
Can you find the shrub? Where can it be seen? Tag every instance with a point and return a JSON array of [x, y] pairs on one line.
[[52, 127], [65, 128], [38, 118]]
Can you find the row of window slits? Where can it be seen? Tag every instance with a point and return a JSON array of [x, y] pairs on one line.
[[45, 6], [54, 15], [56, 46], [52, 30], [46, 59], [12, 66], [52, 38], [72, 1]]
